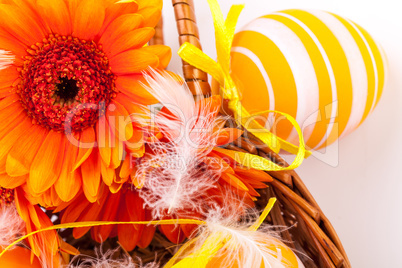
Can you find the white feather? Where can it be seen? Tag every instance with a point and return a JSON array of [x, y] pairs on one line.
[[11, 225], [6, 59], [173, 177], [241, 246]]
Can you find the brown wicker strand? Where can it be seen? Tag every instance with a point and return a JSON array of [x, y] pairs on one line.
[[196, 79]]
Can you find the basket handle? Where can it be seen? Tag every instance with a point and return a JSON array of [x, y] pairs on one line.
[[188, 32]]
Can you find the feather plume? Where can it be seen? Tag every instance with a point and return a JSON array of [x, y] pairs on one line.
[[11, 225], [227, 241], [174, 171], [6, 59]]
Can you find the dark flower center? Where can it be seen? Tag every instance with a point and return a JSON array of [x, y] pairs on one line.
[[66, 83], [66, 90], [6, 196]]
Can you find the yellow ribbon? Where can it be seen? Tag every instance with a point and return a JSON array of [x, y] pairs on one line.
[[101, 223], [220, 71], [201, 257]]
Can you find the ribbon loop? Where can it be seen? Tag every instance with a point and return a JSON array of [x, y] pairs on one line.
[[220, 71]]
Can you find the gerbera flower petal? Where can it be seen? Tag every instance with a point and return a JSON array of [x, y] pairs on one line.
[[125, 170], [131, 86], [20, 25], [147, 233], [151, 16], [8, 77], [104, 140], [10, 118], [227, 135], [108, 174], [91, 213], [9, 101], [46, 166], [122, 125], [116, 10], [129, 235], [20, 157], [69, 182], [6, 92], [133, 61], [109, 213], [89, 21], [86, 144], [137, 112], [11, 183], [118, 27], [91, 177], [135, 146], [253, 175], [172, 233], [14, 46], [75, 209], [56, 15], [7, 142], [164, 54], [115, 187], [133, 39], [117, 154], [232, 180], [47, 199], [150, 3]]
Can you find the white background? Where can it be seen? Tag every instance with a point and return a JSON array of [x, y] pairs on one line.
[[360, 191]]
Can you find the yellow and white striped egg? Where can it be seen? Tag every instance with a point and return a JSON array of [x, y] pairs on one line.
[[324, 70]]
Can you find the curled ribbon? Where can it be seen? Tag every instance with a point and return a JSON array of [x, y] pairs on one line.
[[220, 71]]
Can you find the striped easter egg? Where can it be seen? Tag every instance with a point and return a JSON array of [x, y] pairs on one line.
[[324, 70]]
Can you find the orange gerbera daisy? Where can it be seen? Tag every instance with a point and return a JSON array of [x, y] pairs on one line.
[[66, 101]]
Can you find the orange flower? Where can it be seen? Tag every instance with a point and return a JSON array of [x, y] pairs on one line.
[[66, 101], [124, 205]]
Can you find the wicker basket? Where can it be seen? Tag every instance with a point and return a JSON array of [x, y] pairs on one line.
[[309, 232], [303, 226]]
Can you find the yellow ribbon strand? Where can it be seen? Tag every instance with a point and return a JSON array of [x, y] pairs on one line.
[[216, 241], [220, 71], [263, 215], [102, 223]]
